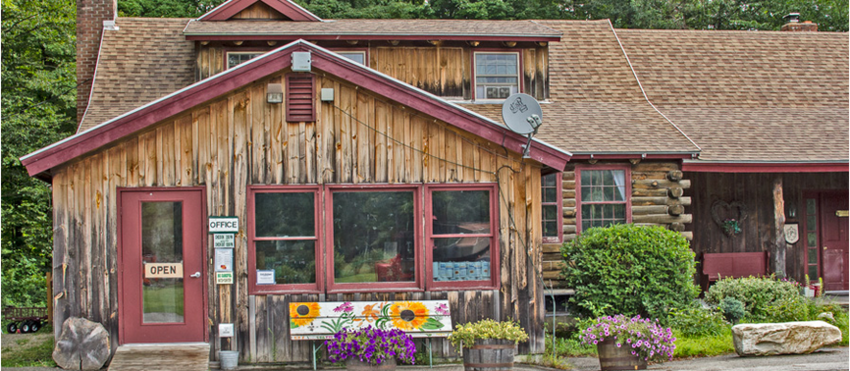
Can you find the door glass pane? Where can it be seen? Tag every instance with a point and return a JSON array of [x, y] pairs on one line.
[[813, 272], [374, 237], [811, 223], [291, 261], [162, 242], [811, 239], [461, 212], [811, 206], [813, 256]]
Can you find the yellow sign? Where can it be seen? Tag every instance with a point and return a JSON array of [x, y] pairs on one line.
[[842, 213], [163, 270]]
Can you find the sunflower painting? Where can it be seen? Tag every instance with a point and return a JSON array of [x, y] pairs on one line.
[[303, 314], [409, 315]]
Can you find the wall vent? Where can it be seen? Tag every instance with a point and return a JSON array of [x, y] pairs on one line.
[[300, 97]]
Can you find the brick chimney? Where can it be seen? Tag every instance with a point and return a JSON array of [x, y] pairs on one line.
[[793, 24], [90, 17]]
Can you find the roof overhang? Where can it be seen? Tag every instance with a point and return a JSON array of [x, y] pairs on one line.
[[699, 166], [363, 36], [634, 155], [40, 162]]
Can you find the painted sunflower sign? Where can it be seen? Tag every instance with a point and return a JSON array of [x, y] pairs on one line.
[[321, 320]]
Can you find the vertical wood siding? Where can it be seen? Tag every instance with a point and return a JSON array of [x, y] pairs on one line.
[[653, 196], [444, 71], [756, 192], [238, 140]]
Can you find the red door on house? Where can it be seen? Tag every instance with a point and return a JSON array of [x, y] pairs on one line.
[[162, 275], [834, 243]]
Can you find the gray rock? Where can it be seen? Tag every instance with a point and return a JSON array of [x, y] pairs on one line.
[[760, 339], [826, 316], [82, 345]]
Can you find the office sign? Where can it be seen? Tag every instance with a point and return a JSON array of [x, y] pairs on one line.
[[223, 224]]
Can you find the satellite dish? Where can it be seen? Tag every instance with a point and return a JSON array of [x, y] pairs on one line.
[[518, 113], [522, 114]]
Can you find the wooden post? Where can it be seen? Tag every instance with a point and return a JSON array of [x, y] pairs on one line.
[[779, 228], [50, 297]]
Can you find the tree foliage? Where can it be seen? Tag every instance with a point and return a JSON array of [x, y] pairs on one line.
[[38, 108]]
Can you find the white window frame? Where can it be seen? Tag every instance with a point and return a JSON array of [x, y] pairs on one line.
[[361, 52], [476, 75], [228, 54]]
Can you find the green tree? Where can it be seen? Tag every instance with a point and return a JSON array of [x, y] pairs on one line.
[[166, 8], [38, 108]]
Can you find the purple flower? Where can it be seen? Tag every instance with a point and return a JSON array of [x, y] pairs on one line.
[[344, 307]]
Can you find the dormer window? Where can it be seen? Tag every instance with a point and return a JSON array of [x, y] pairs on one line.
[[236, 58], [496, 75], [357, 56]]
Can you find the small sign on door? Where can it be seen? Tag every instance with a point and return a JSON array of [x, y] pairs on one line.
[[225, 330], [224, 240], [223, 260], [223, 278], [163, 270], [224, 224]]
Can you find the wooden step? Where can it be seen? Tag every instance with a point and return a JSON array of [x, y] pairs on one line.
[[164, 357]]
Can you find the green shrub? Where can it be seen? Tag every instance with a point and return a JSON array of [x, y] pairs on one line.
[[631, 270], [695, 322], [466, 334], [757, 294], [732, 309]]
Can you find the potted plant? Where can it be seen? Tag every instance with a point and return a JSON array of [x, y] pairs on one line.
[[487, 344], [629, 343], [371, 348]]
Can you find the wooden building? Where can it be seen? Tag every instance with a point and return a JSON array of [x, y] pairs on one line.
[[356, 154]]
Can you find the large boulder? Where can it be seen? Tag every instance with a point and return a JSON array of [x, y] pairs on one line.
[[82, 345], [762, 339]]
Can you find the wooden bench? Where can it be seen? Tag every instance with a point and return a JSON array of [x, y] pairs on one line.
[[735, 265], [321, 320]]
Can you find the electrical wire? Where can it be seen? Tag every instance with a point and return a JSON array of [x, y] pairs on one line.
[[409, 146]]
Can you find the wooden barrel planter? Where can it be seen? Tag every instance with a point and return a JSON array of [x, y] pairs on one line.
[[489, 355], [613, 358], [354, 364]]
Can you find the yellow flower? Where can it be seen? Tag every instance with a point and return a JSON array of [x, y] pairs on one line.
[[302, 314], [409, 315]]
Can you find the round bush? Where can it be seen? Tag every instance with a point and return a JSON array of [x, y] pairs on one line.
[[697, 321], [757, 294], [631, 270], [732, 309]]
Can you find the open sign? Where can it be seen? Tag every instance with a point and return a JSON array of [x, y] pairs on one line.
[[163, 270]]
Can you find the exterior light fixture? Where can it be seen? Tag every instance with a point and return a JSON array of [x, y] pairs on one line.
[[275, 93]]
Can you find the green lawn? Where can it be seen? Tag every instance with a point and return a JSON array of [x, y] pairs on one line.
[[29, 355]]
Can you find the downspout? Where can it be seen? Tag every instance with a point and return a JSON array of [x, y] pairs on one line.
[[644, 91]]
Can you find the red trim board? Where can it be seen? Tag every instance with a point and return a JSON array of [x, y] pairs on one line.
[[765, 167], [184, 99]]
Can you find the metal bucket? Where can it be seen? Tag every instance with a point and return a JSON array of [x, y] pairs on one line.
[[229, 359]]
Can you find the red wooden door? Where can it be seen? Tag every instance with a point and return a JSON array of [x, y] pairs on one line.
[[834, 242], [162, 273]]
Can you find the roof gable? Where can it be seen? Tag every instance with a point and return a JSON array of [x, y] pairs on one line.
[[287, 8], [322, 59]]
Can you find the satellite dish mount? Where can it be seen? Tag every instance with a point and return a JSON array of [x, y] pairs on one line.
[[522, 114]]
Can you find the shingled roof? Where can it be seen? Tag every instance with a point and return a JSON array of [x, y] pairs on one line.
[[749, 96], [372, 28], [596, 105], [145, 59]]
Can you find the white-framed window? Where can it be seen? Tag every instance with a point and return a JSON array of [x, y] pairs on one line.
[[358, 56], [236, 58], [496, 75]]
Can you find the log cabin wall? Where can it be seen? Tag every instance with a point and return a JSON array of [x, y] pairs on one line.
[[239, 140], [755, 191], [656, 199], [444, 69]]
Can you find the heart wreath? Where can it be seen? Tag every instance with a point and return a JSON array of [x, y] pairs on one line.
[[728, 216]]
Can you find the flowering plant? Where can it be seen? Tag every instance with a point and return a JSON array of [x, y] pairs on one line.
[[646, 338], [486, 329], [371, 345]]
